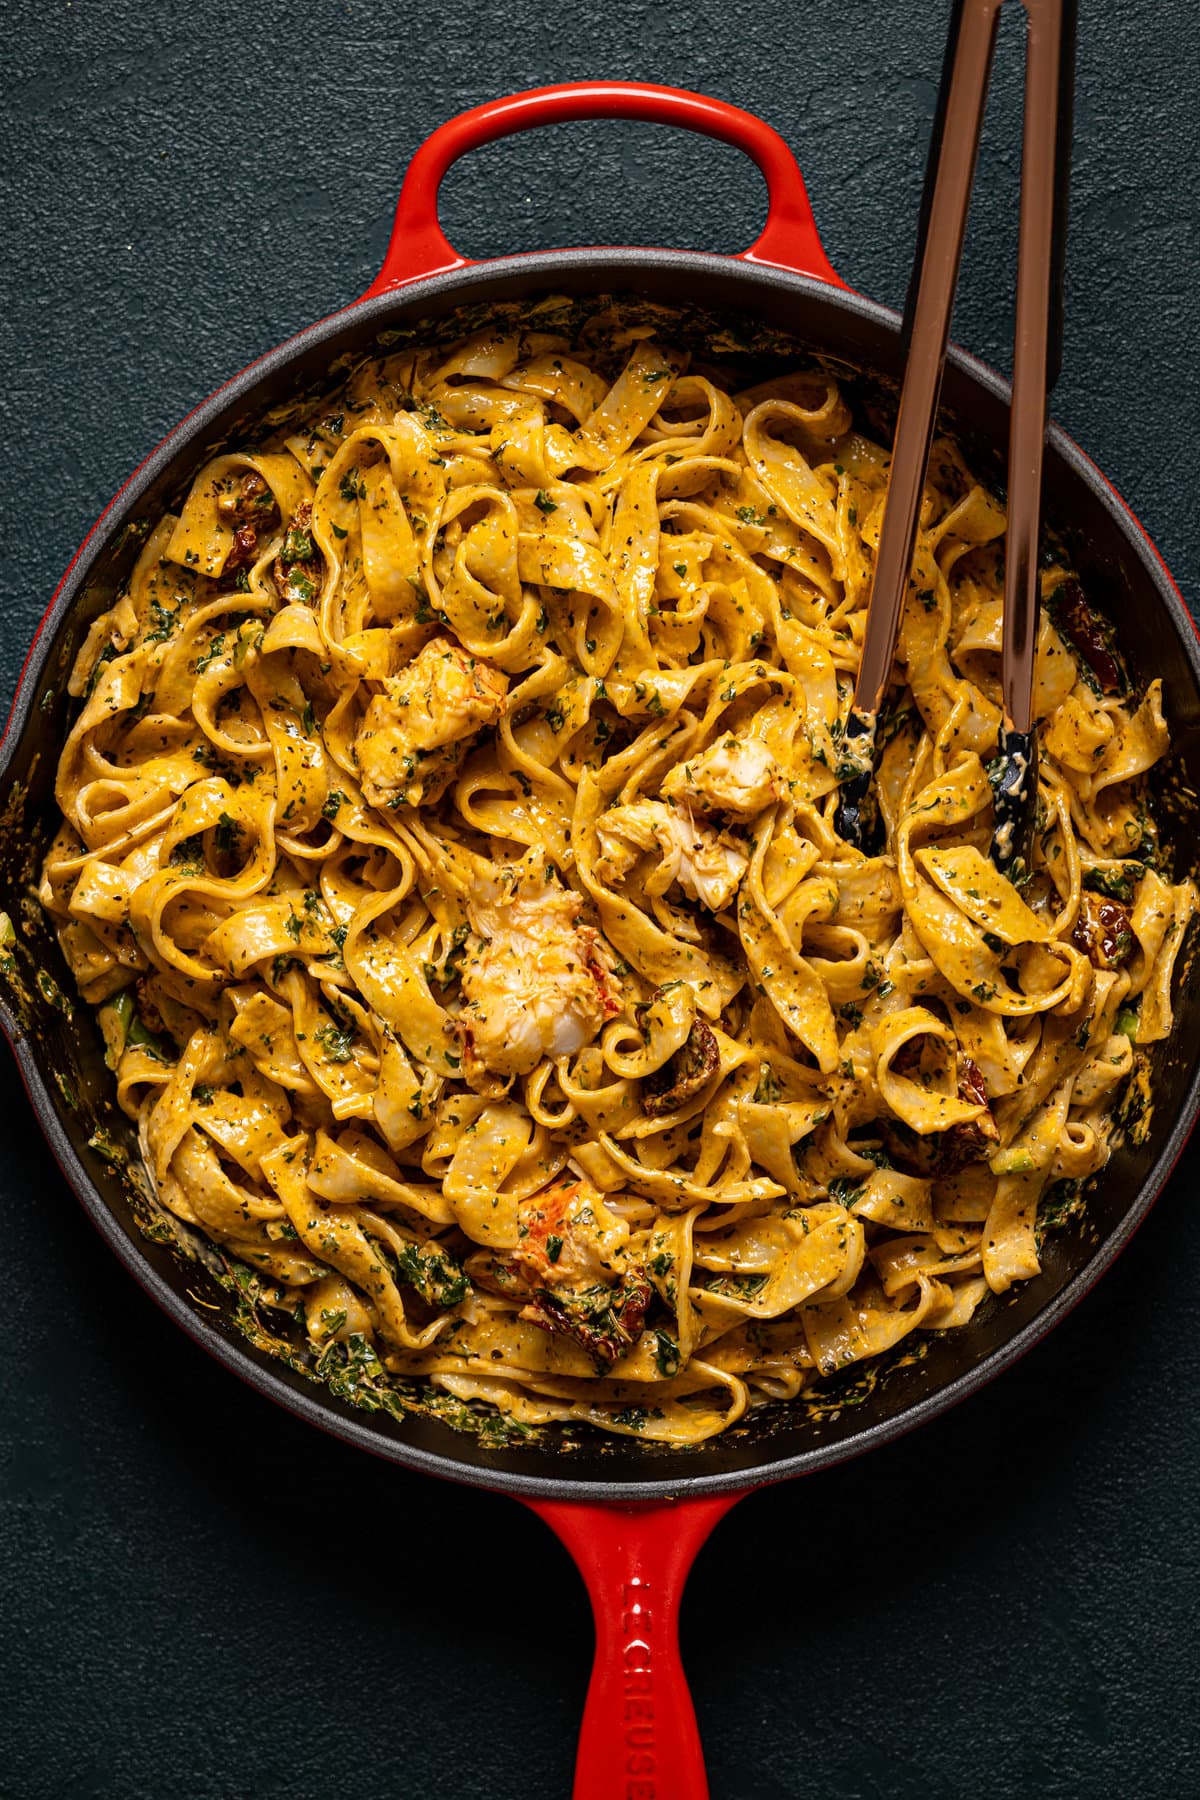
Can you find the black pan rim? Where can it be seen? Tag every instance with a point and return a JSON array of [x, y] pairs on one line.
[[618, 266]]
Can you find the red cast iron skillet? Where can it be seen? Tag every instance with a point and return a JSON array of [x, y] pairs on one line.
[[633, 1515]]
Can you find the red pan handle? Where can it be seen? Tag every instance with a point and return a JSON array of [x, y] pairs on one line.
[[418, 247], [639, 1739]]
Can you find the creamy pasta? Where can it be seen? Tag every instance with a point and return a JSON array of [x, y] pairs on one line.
[[448, 845]]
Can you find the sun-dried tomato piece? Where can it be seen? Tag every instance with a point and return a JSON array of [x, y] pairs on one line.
[[683, 1075], [1103, 931], [245, 549], [605, 1321], [253, 504], [941, 1153], [251, 510], [1090, 635]]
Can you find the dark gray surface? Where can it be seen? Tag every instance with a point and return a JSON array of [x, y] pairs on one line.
[[199, 1595]]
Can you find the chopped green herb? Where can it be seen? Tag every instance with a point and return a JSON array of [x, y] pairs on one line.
[[338, 1044]]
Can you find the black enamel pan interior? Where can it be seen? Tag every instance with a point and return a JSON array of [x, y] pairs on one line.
[[56, 1043]]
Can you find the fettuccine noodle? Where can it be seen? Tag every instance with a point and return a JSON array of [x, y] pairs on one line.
[[448, 846]]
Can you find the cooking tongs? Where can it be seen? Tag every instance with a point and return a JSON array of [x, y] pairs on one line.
[[1037, 354]]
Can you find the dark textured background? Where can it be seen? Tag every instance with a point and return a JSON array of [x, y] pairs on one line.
[[200, 1596]]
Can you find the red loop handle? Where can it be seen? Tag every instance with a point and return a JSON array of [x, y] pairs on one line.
[[638, 1740], [418, 246]]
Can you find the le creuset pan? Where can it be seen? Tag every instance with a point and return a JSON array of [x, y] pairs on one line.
[[633, 1515]]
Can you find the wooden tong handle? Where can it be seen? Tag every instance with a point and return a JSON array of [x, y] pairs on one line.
[[1037, 352], [950, 176], [1037, 343]]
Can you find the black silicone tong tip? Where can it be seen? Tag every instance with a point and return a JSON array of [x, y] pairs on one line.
[[1014, 780], [856, 817]]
